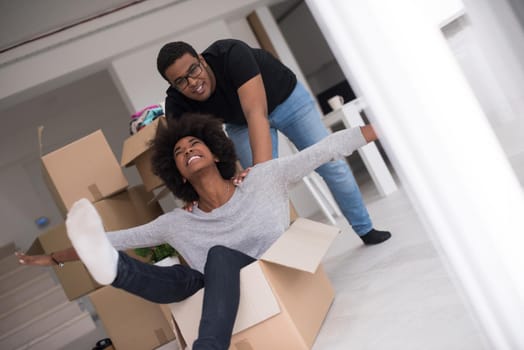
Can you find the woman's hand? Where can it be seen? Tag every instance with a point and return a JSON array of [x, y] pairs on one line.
[[34, 260], [237, 179], [369, 133]]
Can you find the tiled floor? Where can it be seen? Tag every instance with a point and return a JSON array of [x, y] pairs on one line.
[[396, 295]]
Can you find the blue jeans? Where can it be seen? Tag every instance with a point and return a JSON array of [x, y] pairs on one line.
[[299, 120], [163, 285]]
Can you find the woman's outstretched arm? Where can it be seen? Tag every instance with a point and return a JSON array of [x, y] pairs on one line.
[[55, 258], [291, 169]]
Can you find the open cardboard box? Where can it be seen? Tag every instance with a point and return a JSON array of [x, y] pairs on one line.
[[136, 151], [284, 296], [85, 168]]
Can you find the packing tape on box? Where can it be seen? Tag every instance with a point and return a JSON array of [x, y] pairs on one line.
[[40, 131], [95, 192], [161, 336], [242, 345]]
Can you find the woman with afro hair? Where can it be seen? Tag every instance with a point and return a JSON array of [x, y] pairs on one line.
[[229, 227]]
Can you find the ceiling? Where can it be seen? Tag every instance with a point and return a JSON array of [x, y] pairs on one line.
[[23, 21]]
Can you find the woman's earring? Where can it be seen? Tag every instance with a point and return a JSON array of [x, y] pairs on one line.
[[184, 180]]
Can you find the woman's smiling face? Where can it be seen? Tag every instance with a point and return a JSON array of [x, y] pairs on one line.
[[191, 155]]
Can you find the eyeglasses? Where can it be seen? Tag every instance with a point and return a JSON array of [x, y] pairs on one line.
[[193, 72]]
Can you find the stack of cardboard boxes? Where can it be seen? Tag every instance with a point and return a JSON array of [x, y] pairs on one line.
[[88, 168]]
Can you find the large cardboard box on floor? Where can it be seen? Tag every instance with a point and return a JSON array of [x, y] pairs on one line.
[[131, 322], [136, 151], [85, 168], [284, 296], [123, 210]]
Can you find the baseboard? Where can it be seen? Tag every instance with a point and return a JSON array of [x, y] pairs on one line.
[[7, 250]]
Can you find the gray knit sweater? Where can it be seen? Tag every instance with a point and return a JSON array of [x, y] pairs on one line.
[[255, 216]]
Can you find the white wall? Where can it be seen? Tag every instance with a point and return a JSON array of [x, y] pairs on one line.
[[313, 54], [489, 46], [67, 114], [310, 49]]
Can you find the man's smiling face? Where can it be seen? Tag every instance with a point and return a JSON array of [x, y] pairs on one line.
[[192, 77]]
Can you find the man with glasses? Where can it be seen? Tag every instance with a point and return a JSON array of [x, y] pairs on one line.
[[256, 96]]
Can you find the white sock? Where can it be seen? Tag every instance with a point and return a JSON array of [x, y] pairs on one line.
[[87, 233]]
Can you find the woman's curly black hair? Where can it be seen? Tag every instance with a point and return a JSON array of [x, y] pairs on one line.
[[204, 127]]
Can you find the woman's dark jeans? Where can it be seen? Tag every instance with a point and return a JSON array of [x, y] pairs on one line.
[[175, 283]]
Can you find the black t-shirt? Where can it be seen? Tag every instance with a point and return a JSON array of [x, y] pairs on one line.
[[233, 62]]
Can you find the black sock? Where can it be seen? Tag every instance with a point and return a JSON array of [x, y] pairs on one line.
[[375, 237]]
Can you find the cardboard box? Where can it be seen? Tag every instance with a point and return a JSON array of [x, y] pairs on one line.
[[130, 208], [136, 151], [86, 168], [123, 210], [131, 322], [285, 295], [74, 277]]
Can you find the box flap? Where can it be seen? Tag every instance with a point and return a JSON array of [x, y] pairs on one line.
[[302, 246], [144, 166], [257, 303], [35, 248], [138, 143]]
